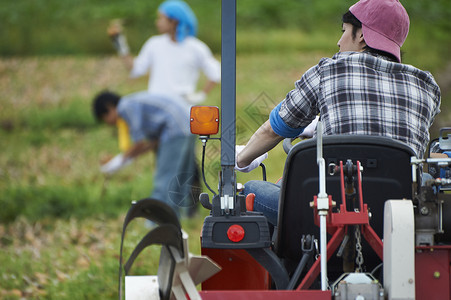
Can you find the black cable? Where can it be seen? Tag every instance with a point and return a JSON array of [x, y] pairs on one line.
[[203, 169], [263, 171]]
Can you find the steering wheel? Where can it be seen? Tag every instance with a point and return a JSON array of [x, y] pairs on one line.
[[288, 144]]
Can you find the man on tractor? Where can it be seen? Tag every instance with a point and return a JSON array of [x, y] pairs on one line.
[[362, 89]]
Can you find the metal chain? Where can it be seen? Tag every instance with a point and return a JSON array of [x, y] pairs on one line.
[[358, 248]]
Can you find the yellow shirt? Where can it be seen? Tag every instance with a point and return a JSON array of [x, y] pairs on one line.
[[123, 135]]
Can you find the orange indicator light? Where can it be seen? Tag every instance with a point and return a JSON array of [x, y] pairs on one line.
[[204, 120]]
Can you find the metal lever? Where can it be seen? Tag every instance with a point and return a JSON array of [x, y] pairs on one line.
[[205, 201], [307, 247]]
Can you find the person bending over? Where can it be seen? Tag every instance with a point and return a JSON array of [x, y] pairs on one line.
[[154, 123]]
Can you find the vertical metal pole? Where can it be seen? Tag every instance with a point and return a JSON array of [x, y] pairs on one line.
[[228, 95], [322, 204]]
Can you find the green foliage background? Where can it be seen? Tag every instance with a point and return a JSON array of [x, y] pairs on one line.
[[37, 27]]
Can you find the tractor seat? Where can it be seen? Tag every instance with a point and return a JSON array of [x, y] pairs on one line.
[[386, 175]]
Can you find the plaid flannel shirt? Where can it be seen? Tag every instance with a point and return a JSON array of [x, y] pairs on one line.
[[363, 93]]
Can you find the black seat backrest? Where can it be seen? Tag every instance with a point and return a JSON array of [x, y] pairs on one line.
[[386, 175]]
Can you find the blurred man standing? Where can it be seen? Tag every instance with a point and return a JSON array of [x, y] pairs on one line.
[[174, 58]]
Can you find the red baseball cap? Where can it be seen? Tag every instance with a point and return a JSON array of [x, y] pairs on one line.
[[385, 24]]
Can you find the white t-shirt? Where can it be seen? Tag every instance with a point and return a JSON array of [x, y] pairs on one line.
[[174, 67]]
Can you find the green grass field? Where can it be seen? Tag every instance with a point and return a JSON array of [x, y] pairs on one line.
[[60, 218]]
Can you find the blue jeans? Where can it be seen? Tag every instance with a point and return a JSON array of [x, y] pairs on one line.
[[266, 198], [175, 172]]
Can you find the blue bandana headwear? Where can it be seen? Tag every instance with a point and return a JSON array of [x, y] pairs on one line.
[[180, 11]]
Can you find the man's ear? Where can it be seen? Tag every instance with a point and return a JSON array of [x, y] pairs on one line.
[[361, 39], [360, 35]]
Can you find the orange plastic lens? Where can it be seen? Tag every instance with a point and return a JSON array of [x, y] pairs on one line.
[[204, 120]]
